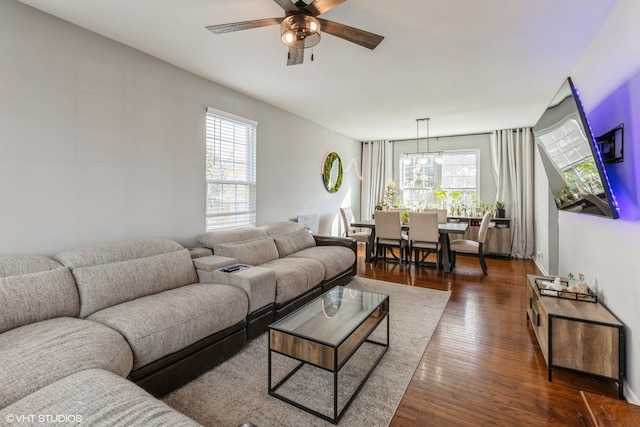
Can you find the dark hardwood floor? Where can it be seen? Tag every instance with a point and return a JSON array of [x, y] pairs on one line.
[[483, 365]]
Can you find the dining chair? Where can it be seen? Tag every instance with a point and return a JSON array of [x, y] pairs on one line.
[[424, 237], [389, 236], [473, 246], [442, 214], [349, 231]]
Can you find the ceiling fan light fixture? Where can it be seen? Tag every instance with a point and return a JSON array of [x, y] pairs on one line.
[[300, 31]]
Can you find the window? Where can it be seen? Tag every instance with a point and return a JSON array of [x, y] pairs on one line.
[[421, 176], [231, 170]]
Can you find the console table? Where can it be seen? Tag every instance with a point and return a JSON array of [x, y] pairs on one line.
[[581, 336]]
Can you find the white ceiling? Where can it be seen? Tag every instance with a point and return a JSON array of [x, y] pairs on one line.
[[470, 65]]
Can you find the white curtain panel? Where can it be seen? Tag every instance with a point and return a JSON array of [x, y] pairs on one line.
[[377, 172], [512, 159]]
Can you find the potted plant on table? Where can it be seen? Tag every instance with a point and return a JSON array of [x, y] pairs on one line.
[[442, 196], [404, 217], [500, 210]]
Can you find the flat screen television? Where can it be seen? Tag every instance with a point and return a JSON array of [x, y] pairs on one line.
[[571, 157]]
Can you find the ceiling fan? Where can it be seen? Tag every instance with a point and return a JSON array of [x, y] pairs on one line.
[[300, 27]]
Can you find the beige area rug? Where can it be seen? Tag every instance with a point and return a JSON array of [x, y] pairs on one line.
[[235, 392]]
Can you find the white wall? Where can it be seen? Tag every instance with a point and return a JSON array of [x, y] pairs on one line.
[[605, 250], [545, 221], [481, 142], [101, 142]]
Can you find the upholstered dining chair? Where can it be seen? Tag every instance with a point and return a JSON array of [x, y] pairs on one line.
[[424, 237], [473, 246], [349, 231], [389, 236], [442, 214]]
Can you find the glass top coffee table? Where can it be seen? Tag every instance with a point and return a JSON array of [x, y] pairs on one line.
[[325, 334]]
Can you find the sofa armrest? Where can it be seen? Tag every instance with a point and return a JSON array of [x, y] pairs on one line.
[[200, 252], [336, 241], [213, 262], [346, 242], [208, 268], [259, 283]]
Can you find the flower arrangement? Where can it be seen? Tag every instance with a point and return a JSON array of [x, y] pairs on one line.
[[389, 193]]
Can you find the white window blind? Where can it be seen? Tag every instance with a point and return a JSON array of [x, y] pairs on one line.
[[231, 170]]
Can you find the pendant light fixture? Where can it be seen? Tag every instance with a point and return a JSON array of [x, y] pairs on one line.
[[423, 158], [437, 156], [405, 158]]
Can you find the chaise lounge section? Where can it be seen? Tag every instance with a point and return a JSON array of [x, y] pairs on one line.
[[42, 340]]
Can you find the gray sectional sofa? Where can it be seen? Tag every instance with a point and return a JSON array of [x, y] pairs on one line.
[[289, 267], [80, 332]]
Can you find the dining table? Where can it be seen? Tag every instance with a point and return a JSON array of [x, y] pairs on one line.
[[445, 229]]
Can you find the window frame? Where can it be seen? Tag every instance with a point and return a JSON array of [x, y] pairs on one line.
[[431, 199], [248, 145]]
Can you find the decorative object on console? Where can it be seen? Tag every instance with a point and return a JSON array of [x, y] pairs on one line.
[[500, 210], [564, 288], [332, 172]]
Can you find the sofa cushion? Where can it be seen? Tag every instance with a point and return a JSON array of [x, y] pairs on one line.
[[231, 235], [114, 252], [295, 276], [249, 245], [41, 353], [106, 285], [255, 252], [98, 398], [25, 264], [160, 324], [335, 259], [29, 295], [289, 237]]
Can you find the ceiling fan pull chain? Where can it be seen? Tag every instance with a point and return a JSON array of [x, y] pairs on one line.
[[311, 54]]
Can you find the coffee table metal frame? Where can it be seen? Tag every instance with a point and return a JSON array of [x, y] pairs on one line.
[[353, 340]]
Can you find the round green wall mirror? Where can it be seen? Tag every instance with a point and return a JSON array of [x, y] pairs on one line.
[[332, 172]]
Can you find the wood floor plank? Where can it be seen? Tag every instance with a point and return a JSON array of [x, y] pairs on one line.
[[483, 365]]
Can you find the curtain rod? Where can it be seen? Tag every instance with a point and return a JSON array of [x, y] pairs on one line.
[[444, 136]]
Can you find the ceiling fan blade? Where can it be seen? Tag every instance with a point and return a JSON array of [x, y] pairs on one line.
[[354, 35], [296, 56], [317, 7], [244, 25], [287, 5]]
